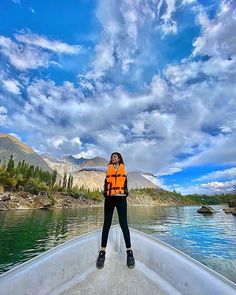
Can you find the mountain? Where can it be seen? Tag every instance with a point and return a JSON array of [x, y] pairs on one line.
[[89, 173], [70, 164], [10, 145], [94, 179], [94, 168], [60, 165], [47, 156], [96, 161], [72, 160], [137, 180]]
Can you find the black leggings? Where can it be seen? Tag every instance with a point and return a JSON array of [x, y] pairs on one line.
[[121, 205]]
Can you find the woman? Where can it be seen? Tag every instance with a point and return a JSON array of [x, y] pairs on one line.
[[115, 194]]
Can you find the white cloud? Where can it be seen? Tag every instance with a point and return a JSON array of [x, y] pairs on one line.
[[43, 42], [127, 27], [64, 144], [3, 115], [15, 135], [227, 173], [163, 122], [89, 151], [23, 57], [154, 180], [56, 141], [76, 140], [185, 116], [191, 189], [184, 2], [168, 171], [226, 186], [183, 72], [218, 38], [33, 51], [168, 24], [13, 86], [221, 151]]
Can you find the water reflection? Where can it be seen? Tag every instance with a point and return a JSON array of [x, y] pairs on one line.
[[210, 239]]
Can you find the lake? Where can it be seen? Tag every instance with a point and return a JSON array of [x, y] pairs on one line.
[[211, 239]]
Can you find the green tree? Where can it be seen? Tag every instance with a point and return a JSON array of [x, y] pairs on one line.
[[64, 180], [54, 177], [10, 166], [68, 183], [71, 181]]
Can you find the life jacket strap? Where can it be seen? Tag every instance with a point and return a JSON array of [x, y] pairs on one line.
[[115, 175], [117, 187]]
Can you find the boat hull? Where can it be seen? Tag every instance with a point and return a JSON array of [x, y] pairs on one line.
[[70, 268]]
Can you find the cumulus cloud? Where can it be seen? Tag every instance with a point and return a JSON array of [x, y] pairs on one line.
[[63, 143], [89, 150], [162, 122], [184, 116], [218, 38]]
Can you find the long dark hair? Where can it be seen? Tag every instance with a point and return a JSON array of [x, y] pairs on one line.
[[119, 156]]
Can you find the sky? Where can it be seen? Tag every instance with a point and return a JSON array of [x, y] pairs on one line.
[[151, 79]]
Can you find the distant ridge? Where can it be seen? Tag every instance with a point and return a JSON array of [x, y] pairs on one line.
[[96, 161], [10, 145], [72, 160], [89, 173]]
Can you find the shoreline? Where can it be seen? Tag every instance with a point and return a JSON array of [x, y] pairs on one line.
[[22, 200]]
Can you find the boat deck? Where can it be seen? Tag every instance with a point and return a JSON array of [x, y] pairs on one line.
[[116, 278]]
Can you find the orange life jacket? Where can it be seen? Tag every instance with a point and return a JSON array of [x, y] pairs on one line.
[[115, 180]]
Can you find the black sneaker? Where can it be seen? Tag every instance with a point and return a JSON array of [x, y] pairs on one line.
[[130, 259], [101, 259]]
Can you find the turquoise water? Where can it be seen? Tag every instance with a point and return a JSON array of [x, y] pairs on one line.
[[210, 239]]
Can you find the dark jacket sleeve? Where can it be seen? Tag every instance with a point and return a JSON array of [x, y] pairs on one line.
[[126, 187], [105, 188]]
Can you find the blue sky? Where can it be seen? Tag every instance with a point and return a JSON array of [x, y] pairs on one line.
[[152, 79]]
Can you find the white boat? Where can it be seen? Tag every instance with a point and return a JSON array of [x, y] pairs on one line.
[[70, 268]]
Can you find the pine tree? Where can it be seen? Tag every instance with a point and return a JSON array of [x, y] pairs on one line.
[[64, 180], [71, 182], [3, 167], [10, 166], [68, 183], [54, 177]]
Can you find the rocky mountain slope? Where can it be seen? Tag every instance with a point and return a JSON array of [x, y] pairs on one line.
[[87, 173], [10, 145], [92, 172]]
